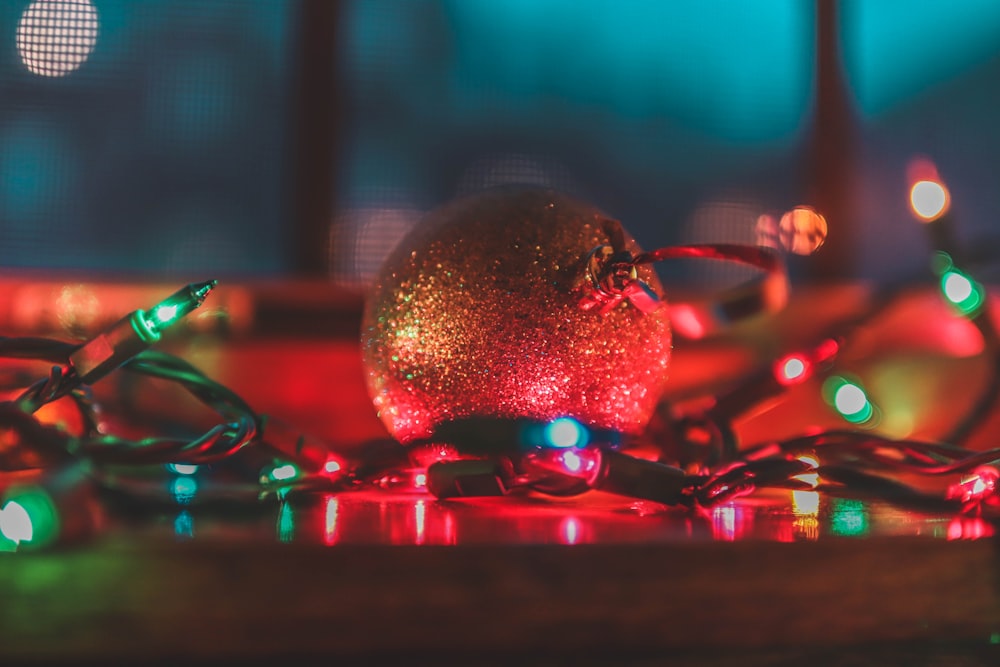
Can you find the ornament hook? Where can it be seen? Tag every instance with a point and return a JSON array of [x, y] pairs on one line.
[[612, 278]]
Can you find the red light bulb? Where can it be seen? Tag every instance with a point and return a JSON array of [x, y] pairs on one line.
[[793, 369]]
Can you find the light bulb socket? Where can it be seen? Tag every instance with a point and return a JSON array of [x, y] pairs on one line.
[[626, 475], [469, 478], [110, 349]]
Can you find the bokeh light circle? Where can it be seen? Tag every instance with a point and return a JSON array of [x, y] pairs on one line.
[[957, 287], [929, 199], [15, 523], [55, 37], [802, 230], [850, 399]]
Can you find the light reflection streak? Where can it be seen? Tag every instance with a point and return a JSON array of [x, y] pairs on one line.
[[969, 528], [420, 517], [805, 507], [330, 514], [569, 530], [730, 522]]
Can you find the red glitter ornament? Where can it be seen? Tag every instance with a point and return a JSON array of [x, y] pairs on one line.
[[487, 308]]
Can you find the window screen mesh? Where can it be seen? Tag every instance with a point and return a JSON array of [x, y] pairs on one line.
[[655, 111], [144, 137], [164, 137]]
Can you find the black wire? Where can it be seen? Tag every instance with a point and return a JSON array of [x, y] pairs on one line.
[[51, 445], [849, 458], [37, 349], [987, 399]]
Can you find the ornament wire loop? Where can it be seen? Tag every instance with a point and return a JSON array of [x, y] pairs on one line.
[[766, 293]]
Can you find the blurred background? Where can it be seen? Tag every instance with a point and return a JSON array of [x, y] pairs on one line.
[[279, 138]]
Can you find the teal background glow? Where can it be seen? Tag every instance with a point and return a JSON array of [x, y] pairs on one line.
[[172, 150], [923, 81], [896, 50], [650, 110]]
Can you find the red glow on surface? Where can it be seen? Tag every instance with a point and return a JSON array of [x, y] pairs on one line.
[[730, 522], [425, 455], [409, 480], [448, 529], [969, 528]]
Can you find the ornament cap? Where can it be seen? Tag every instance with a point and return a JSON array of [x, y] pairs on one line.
[[612, 278]]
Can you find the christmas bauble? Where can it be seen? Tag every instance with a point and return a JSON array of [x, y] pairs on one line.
[[486, 308]]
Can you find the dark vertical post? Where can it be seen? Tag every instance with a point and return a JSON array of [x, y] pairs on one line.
[[315, 117], [832, 152]]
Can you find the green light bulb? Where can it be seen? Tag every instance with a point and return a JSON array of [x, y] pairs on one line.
[[962, 291], [15, 523], [848, 399], [150, 324], [284, 472], [165, 314], [30, 518]]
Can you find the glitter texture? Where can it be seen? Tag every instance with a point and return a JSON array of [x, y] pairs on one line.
[[477, 313]]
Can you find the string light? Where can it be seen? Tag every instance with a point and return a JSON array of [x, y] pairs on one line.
[[124, 344], [485, 456], [16, 523], [929, 200], [792, 369], [849, 399], [284, 472], [30, 518], [802, 230], [565, 432], [134, 333], [961, 291]]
